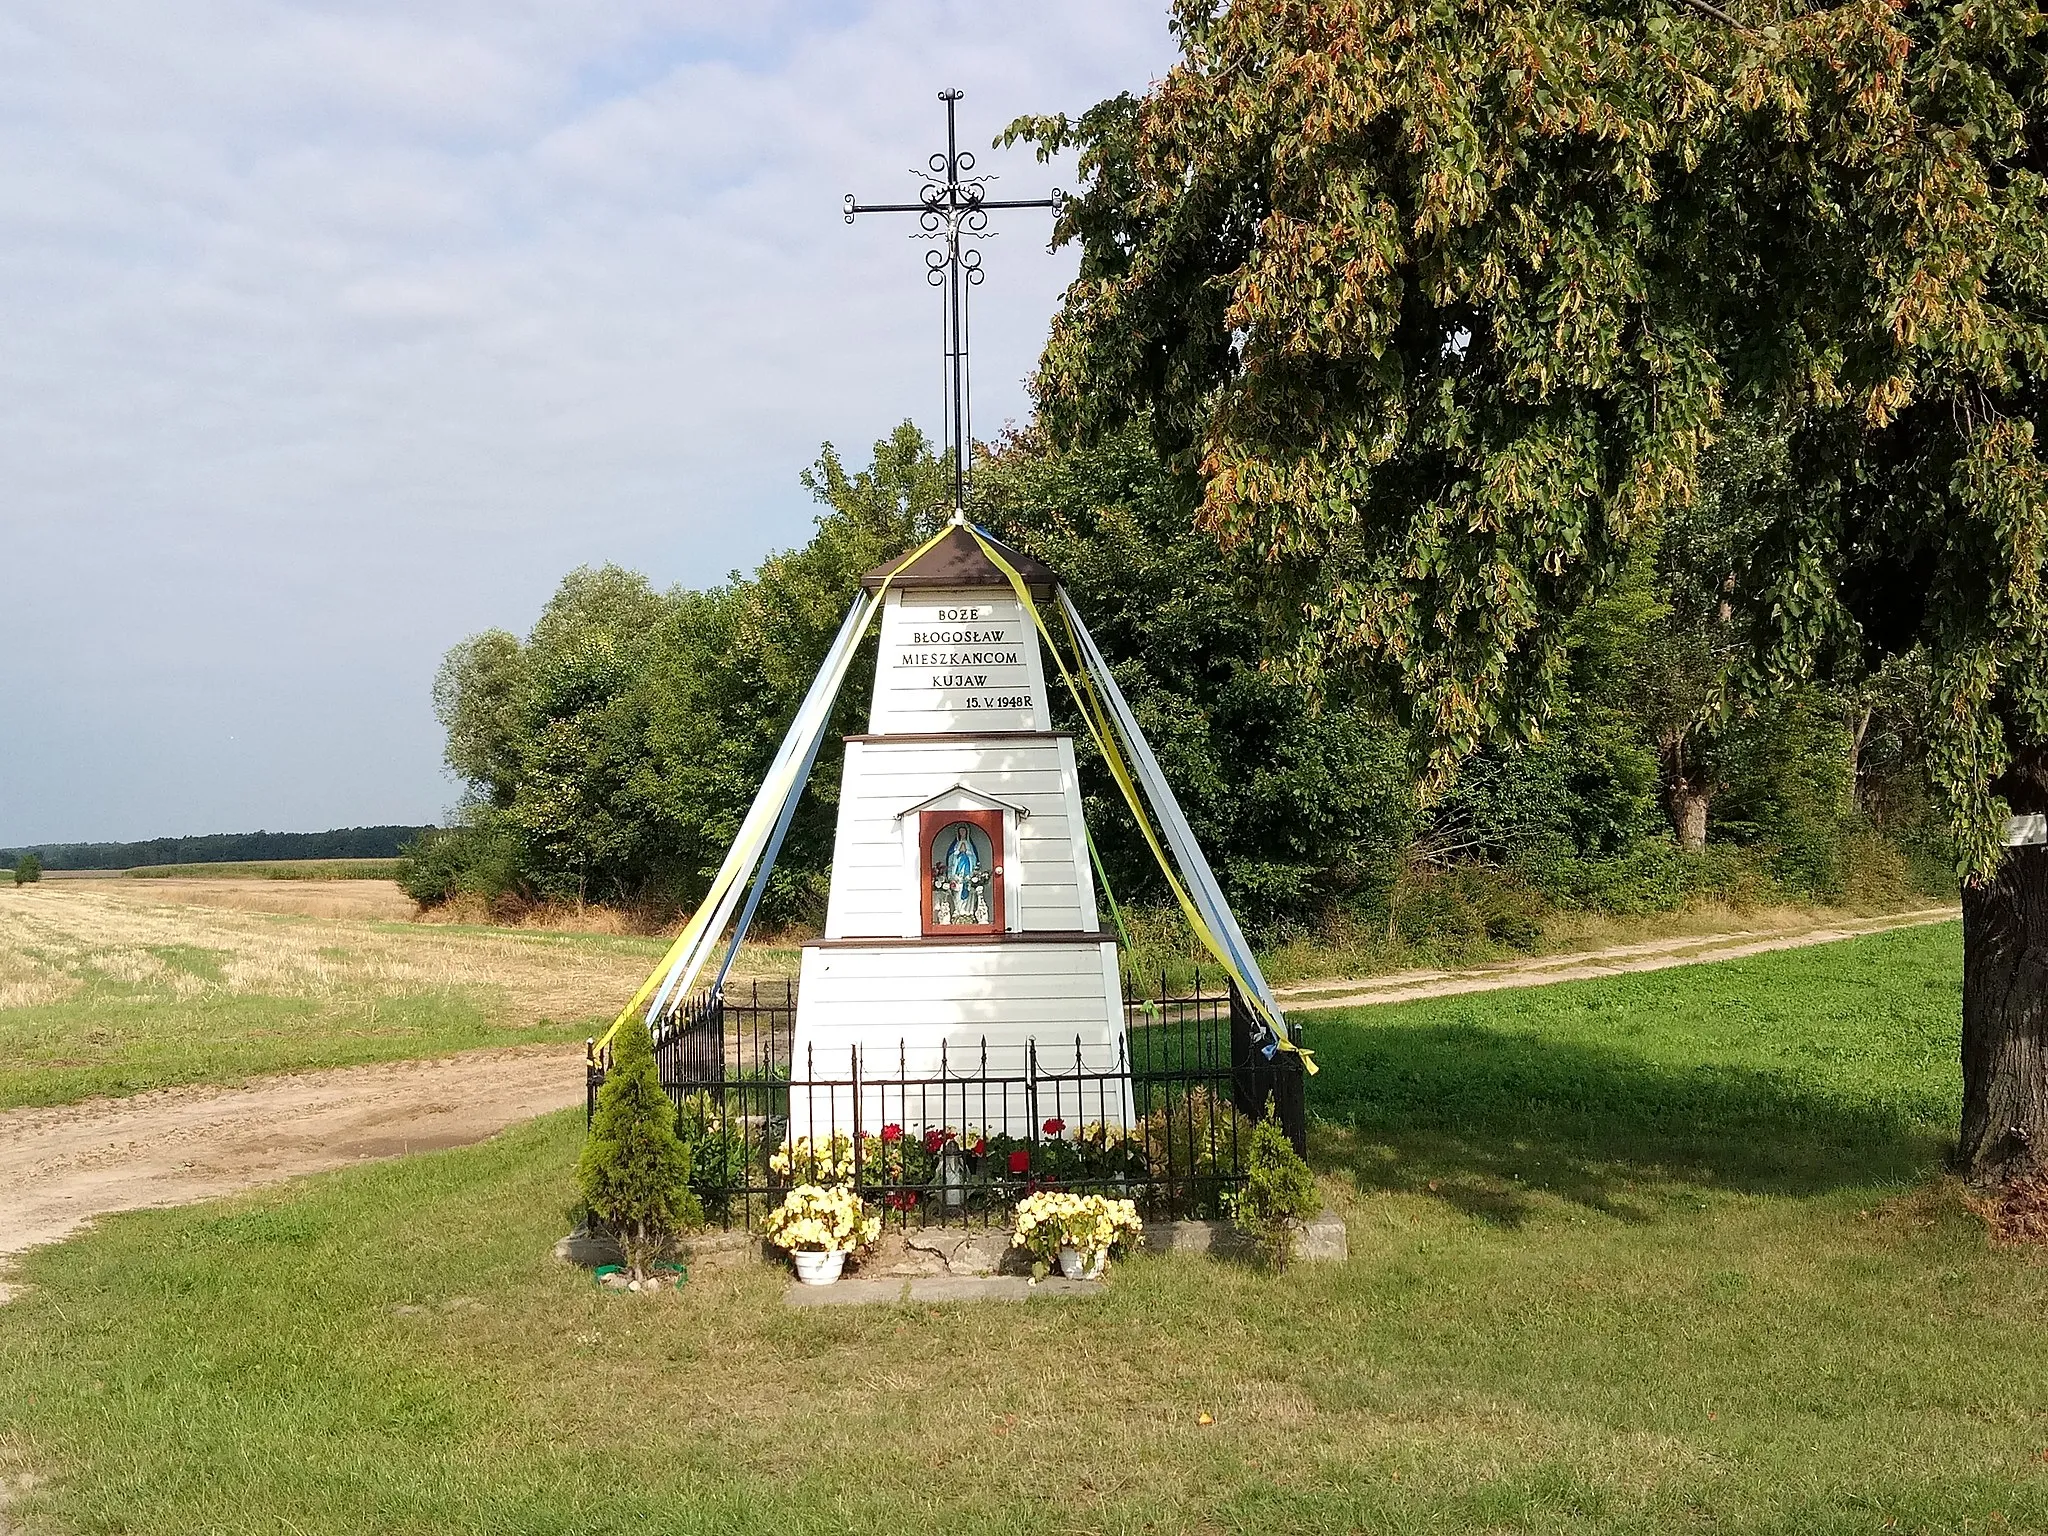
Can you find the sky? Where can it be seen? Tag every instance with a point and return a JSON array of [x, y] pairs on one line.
[[331, 334]]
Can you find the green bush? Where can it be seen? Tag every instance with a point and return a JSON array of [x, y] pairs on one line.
[[635, 1171], [1450, 910], [475, 859], [1279, 1194], [1654, 876], [28, 869]]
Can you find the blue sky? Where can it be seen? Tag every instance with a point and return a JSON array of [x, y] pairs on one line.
[[337, 333]]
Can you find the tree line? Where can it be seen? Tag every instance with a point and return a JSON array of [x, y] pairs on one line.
[[224, 848], [610, 753]]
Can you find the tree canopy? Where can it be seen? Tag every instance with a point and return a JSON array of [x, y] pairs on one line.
[[1440, 307]]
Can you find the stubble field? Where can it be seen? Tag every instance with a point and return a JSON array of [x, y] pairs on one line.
[[118, 986]]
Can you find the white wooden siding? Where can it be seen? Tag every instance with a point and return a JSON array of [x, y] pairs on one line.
[[908, 1007], [907, 1004], [1051, 886]]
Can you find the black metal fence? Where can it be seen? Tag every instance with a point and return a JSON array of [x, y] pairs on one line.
[[1161, 1119]]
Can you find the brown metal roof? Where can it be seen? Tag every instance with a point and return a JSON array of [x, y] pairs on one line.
[[957, 560]]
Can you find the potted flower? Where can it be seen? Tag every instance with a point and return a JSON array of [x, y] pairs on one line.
[[818, 1227], [1078, 1232]]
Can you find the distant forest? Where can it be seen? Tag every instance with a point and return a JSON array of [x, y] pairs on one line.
[[224, 848]]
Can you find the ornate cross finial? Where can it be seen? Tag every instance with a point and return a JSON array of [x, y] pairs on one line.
[[953, 205]]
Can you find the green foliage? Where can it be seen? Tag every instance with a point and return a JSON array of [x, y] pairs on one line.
[[1787, 784], [720, 1156], [28, 869], [1443, 307], [634, 1171], [479, 858], [612, 754], [1279, 1193], [1447, 910], [1653, 877], [1303, 800]]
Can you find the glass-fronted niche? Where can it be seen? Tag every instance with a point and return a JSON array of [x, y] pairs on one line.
[[962, 871]]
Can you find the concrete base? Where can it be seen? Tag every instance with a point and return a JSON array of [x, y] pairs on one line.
[[951, 1253], [934, 1289], [974, 1251]]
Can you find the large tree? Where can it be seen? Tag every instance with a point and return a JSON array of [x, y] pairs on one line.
[[1439, 306]]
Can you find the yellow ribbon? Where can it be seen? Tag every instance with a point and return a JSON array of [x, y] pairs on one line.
[[1103, 733], [729, 871]]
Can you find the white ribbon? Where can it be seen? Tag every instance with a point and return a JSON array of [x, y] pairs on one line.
[[1200, 879]]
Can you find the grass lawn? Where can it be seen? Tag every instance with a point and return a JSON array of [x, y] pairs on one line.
[[1660, 1253]]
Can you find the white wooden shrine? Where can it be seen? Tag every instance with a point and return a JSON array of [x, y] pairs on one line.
[[962, 918]]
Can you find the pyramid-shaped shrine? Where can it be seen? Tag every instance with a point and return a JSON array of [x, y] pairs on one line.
[[962, 925], [964, 976]]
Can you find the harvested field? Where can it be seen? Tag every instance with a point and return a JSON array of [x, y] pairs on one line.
[[111, 987], [374, 900]]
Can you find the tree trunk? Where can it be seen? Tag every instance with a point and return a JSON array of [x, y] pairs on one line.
[[1689, 818], [1859, 729], [2005, 1001], [2005, 1020], [1685, 797]]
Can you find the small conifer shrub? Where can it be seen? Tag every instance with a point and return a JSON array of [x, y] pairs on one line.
[[1279, 1193], [28, 869], [635, 1171]]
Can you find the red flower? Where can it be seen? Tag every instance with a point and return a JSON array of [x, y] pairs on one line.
[[933, 1140], [1020, 1162], [899, 1200], [980, 1146], [1054, 1126], [892, 1133]]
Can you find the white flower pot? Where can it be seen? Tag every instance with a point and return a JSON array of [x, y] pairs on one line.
[[814, 1268], [1076, 1265]]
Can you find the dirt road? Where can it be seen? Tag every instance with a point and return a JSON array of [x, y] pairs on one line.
[[1617, 960], [59, 1168]]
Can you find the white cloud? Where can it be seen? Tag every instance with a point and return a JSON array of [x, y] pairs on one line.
[[335, 333]]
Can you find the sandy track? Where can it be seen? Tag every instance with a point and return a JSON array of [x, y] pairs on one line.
[[61, 1167], [1619, 960]]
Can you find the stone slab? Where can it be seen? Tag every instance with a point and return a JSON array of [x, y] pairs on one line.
[[972, 1251], [1322, 1241], [934, 1289], [590, 1249]]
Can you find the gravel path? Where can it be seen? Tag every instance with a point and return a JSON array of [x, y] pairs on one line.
[[61, 1167], [1620, 960]]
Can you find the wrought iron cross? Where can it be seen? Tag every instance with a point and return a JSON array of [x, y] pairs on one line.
[[952, 206]]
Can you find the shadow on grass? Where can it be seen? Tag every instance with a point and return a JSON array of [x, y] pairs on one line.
[[1490, 1121]]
